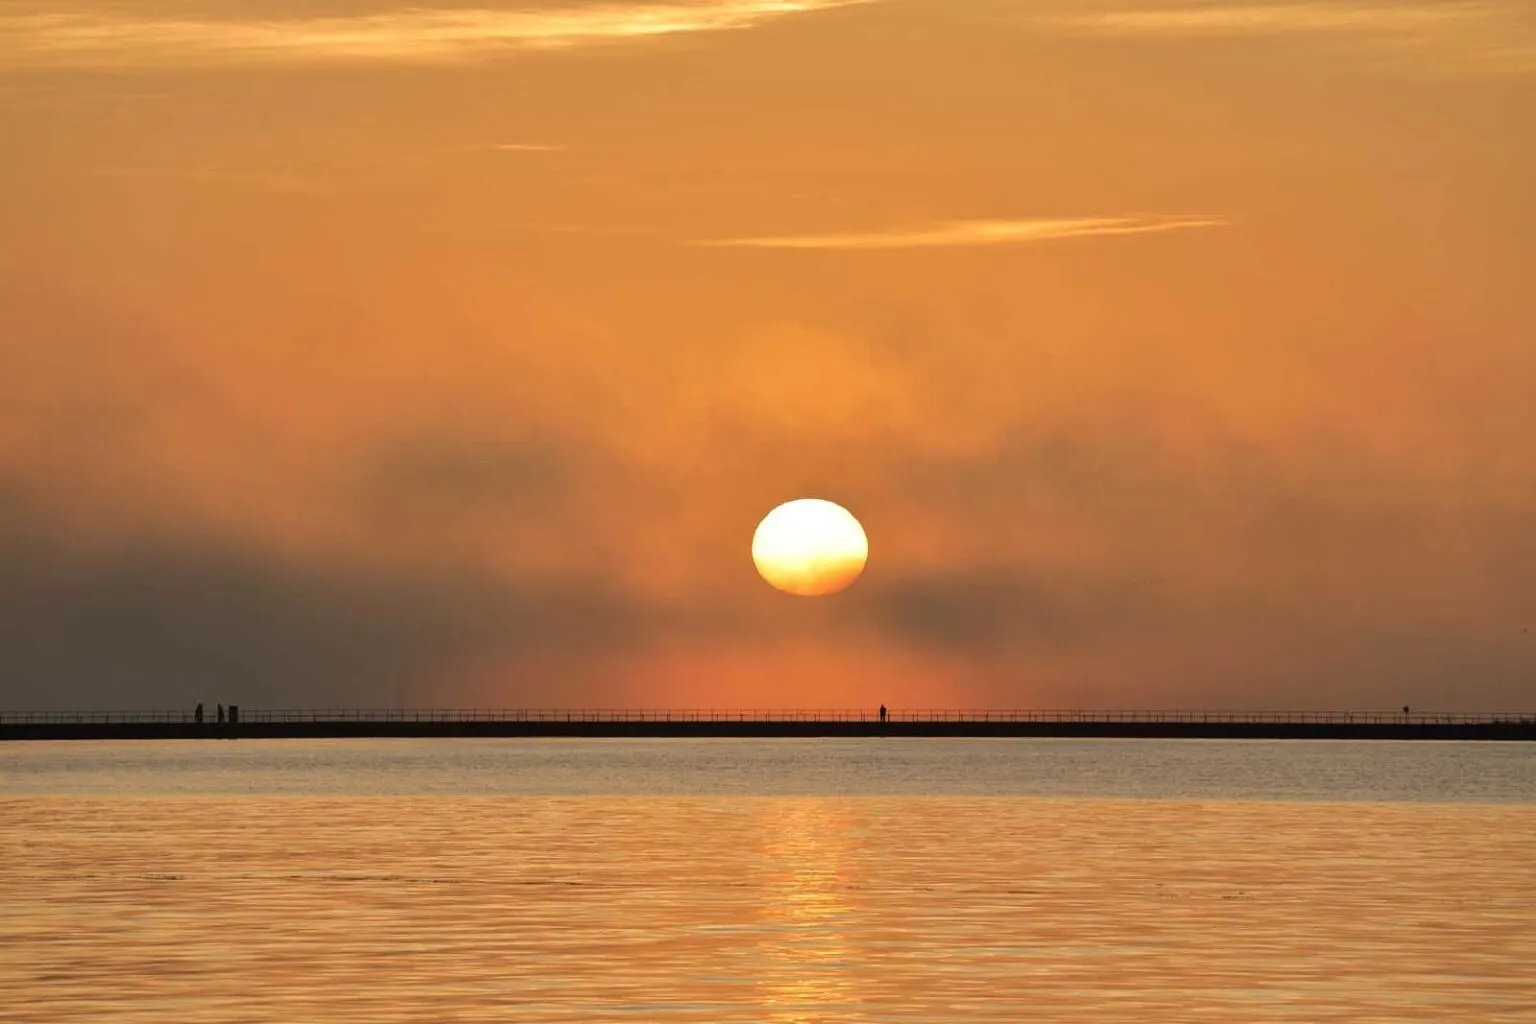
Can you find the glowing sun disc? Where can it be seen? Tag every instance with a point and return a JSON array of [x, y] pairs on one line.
[[809, 546]]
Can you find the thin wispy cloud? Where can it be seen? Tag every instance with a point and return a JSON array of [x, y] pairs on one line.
[[39, 34], [1469, 36], [517, 147], [260, 181], [975, 232], [1261, 19]]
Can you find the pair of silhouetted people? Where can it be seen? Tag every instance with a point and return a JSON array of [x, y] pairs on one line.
[[233, 718]]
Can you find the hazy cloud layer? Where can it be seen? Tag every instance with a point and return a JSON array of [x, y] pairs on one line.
[[42, 34], [975, 232], [174, 622], [1226, 582]]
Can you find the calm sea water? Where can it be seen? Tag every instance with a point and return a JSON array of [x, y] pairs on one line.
[[724, 881]]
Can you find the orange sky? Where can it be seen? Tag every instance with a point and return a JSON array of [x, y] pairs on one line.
[[1172, 354]]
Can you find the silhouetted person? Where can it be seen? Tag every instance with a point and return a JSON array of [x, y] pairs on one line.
[[197, 714], [882, 712], [221, 714], [1405, 712]]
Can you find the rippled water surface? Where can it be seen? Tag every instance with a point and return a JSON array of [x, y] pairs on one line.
[[786, 881]]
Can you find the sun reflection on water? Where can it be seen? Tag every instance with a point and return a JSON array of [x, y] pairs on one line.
[[808, 918]]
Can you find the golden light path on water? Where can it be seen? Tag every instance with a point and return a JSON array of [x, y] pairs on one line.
[[807, 841], [741, 909]]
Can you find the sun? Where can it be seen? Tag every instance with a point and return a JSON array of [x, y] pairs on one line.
[[810, 547]]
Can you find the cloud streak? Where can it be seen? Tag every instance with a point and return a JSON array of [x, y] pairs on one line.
[[1265, 19], [266, 182], [1488, 37], [517, 147], [41, 35], [975, 232]]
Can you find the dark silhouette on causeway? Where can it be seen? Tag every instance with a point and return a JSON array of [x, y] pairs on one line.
[[278, 724]]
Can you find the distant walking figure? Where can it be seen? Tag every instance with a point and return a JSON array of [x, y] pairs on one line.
[[221, 714], [197, 714], [882, 712]]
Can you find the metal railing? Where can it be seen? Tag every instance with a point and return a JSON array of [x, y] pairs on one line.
[[631, 715]]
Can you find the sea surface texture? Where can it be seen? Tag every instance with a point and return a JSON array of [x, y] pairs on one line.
[[790, 881]]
